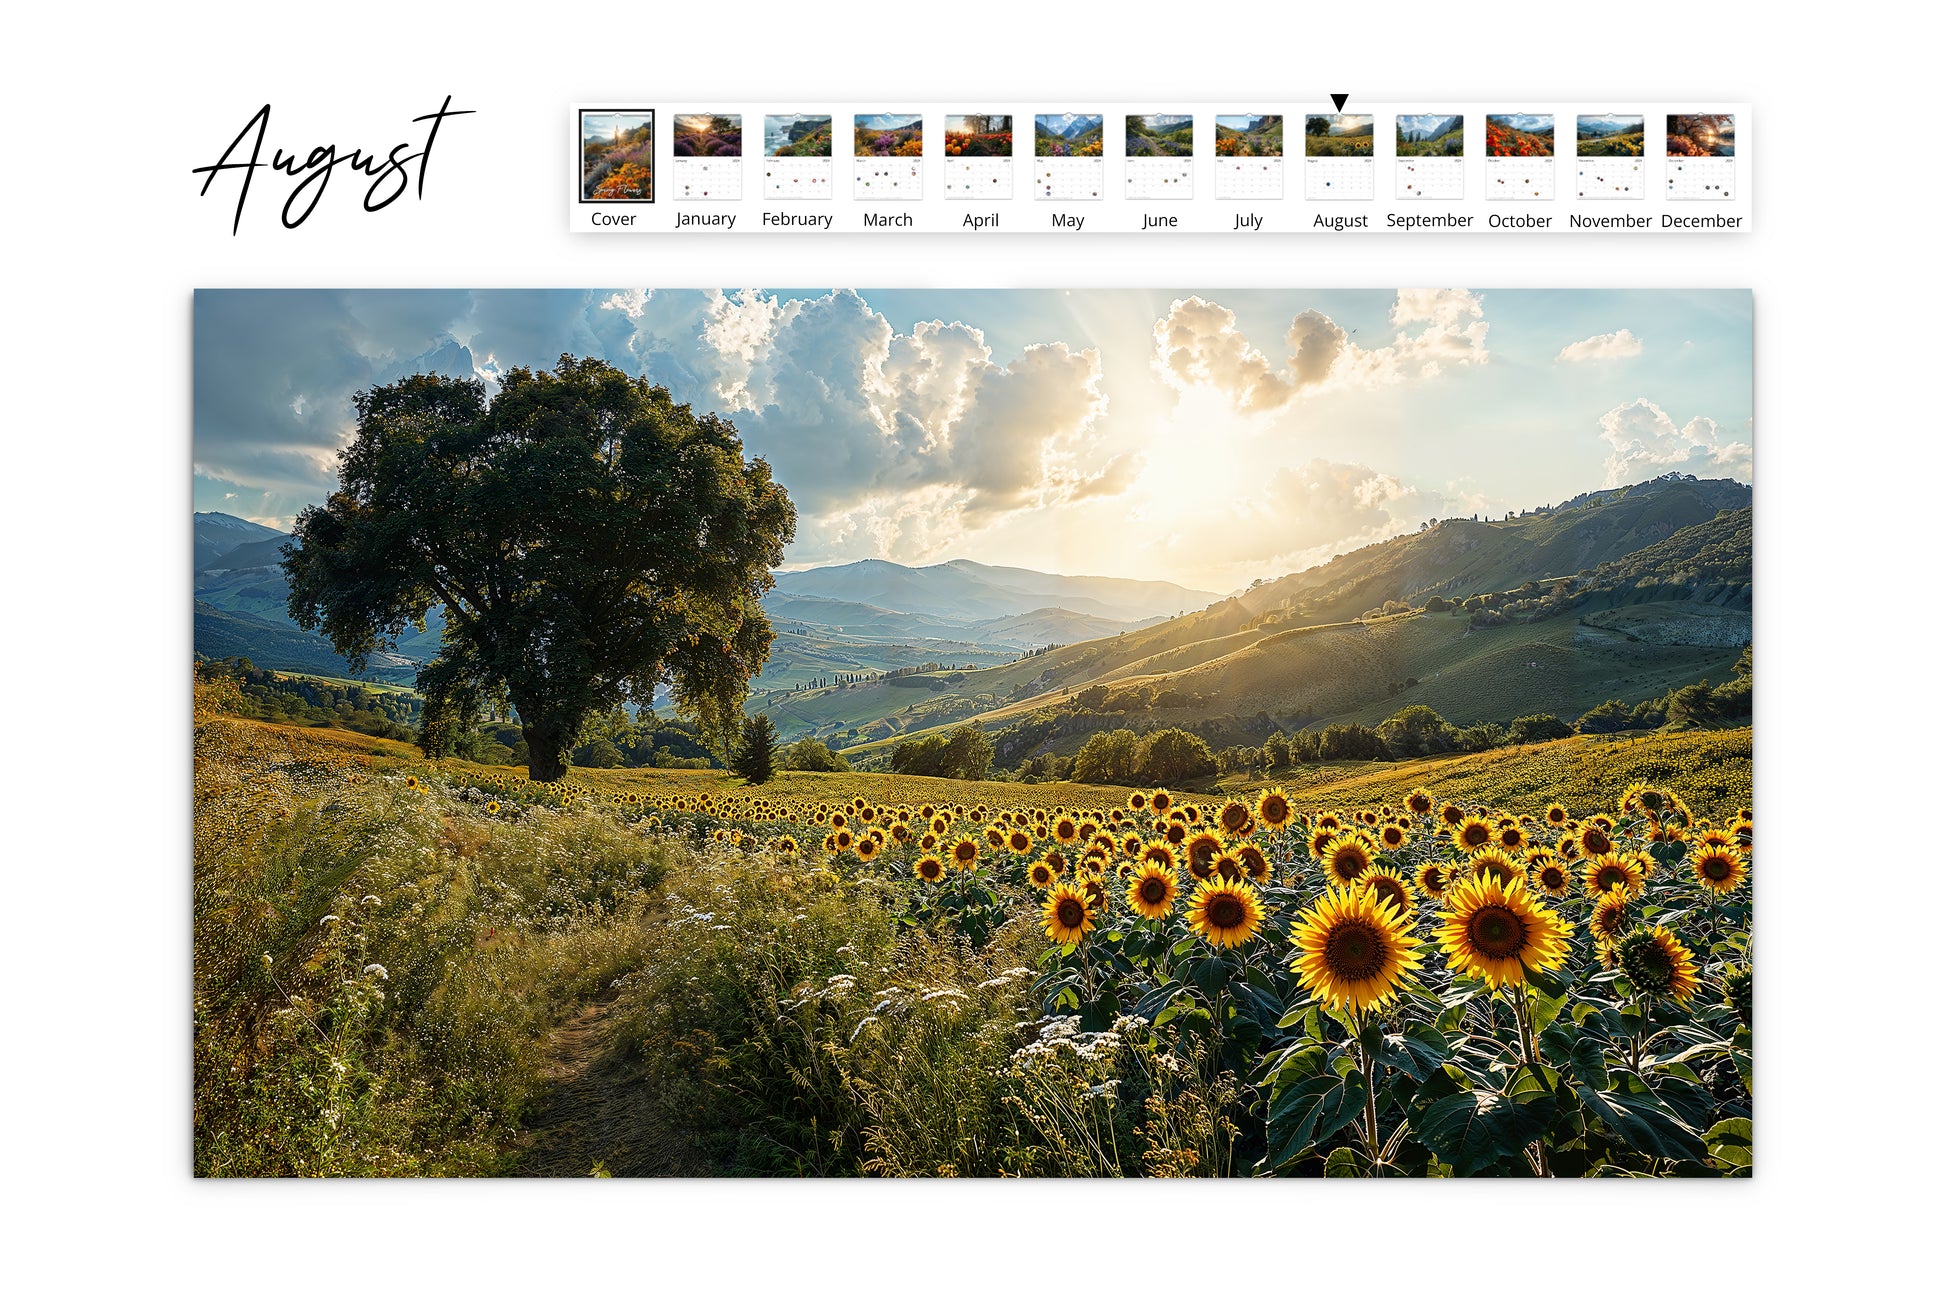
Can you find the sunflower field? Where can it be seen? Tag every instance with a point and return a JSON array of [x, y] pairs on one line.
[[1419, 988]]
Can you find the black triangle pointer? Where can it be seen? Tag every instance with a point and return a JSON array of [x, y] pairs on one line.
[[1340, 101]]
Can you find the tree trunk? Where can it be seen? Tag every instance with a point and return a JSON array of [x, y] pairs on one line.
[[547, 749]]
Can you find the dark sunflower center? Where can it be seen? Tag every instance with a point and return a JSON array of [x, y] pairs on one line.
[[1390, 891], [1226, 912], [1348, 864], [1552, 878], [1153, 890], [964, 851], [1354, 952], [1496, 931], [1596, 843], [930, 868], [1716, 867], [1611, 876], [1474, 836], [1069, 912]]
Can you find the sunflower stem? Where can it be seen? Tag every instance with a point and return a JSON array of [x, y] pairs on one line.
[[1371, 1087]]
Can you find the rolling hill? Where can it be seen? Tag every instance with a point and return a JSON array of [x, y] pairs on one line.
[[1618, 593]]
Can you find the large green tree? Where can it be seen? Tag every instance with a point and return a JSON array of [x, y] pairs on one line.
[[586, 538]]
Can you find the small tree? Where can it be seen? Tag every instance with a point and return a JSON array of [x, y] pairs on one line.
[[756, 756]]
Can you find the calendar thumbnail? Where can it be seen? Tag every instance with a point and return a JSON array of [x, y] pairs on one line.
[[980, 155], [1338, 156], [1520, 157], [708, 157], [797, 155], [1608, 156], [1431, 150], [1161, 156], [887, 148], [1702, 151], [1249, 157], [617, 156], [1067, 156]]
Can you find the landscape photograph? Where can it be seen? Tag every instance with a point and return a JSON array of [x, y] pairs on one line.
[[707, 135], [979, 135], [1520, 135], [887, 135], [1250, 135], [1067, 135], [797, 135], [928, 733], [1338, 135], [1608, 135], [1431, 135], [1702, 135], [618, 157], [1160, 135]]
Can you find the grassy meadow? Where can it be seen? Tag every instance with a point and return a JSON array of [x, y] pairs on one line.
[[438, 968]]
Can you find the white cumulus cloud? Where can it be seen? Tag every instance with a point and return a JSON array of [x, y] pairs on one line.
[[1198, 344], [1644, 442], [1619, 345]]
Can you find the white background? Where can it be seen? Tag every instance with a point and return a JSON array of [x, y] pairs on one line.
[[108, 111]]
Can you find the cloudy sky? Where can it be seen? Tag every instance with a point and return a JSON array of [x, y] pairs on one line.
[[1203, 437]]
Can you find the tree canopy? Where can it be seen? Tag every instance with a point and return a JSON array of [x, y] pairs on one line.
[[588, 540]]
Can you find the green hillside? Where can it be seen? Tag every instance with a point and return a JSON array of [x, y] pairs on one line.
[[1622, 594]]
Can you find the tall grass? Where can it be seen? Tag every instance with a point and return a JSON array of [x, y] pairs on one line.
[[378, 966]]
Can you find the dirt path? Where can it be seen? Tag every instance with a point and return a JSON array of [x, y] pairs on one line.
[[599, 1109]]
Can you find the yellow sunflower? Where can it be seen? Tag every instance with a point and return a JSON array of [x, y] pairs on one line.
[[1511, 838], [929, 867], [1020, 842], [1224, 913], [965, 853], [1200, 851], [1160, 801], [1353, 950], [1392, 836], [1658, 964], [1388, 887], [1274, 809], [1593, 839], [1419, 802], [1432, 879], [1602, 873], [1497, 931], [1152, 892], [1720, 869], [1255, 863], [1065, 915], [1235, 821], [1056, 861], [1609, 918], [1557, 815], [1040, 875], [1472, 834], [1138, 801], [1546, 872], [1494, 863], [866, 847], [1347, 856]]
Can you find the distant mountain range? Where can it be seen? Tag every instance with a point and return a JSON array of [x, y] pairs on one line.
[[857, 612], [1069, 125], [1597, 126], [963, 591], [1428, 128]]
